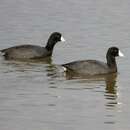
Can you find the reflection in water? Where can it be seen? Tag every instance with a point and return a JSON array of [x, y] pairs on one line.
[[110, 85], [111, 98], [54, 75], [28, 71], [110, 91], [24, 65], [47, 60], [51, 74]]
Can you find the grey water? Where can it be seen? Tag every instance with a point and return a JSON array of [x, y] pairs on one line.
[[38, 95]]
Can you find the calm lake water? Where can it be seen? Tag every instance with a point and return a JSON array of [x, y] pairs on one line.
[[38, 95]]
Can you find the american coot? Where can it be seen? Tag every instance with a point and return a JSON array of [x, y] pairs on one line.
[[94, 67], [33, 51]]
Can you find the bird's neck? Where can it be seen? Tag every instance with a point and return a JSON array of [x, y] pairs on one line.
[[50, 45], [111, 62]]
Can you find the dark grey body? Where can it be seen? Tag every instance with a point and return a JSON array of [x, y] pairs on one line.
[[32, 51], [94, 67], [89, 67], [26, 52]]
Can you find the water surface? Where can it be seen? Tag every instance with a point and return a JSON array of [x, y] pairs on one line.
[[38, 95]]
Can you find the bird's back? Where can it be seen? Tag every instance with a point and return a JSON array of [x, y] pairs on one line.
[[25, 52], [90, 67]]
